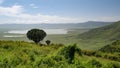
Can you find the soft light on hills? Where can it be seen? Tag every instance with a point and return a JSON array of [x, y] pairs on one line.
[[109, 32]]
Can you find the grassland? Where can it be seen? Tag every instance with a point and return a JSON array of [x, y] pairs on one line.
[[73, 36], [55, 38], [20, 54], [67, 39]]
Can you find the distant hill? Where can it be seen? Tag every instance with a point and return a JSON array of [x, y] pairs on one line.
[[93, 24], [114, 47], [109, 32], [89, 24]]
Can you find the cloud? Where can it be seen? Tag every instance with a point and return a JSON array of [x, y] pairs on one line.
[[33, 6], [1, 1], [39, 18], [15, 14], [10, 11]]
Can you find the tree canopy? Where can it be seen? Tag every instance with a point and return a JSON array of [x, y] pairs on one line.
[[36, 35]]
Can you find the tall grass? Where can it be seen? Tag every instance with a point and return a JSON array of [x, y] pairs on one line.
[[20, 54]]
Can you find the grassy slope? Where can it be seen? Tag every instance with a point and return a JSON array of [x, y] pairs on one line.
[[20, 54], [109, 32], [110, 51], [111, 48], [98, 37]]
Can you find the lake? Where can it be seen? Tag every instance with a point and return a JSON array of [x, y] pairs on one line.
[[21, 33]]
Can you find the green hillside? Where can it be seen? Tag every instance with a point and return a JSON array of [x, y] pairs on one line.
[[110, 51], [20, 54], [111, 48], [98, 37], [109, 32]]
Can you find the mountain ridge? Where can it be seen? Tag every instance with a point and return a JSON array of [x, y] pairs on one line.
[[89, 24]]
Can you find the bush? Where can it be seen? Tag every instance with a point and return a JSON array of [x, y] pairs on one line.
[[116, 65], [16, 61], [46, 61], [69, 51], [95, 63], [48, 42], [88, 53], [112, 65]]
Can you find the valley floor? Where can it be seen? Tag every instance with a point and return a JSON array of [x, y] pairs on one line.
[[70, 38]]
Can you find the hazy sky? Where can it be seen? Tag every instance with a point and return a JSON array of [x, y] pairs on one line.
[[58, 11]]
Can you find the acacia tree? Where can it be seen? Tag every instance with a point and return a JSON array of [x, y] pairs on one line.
[[36, 35]]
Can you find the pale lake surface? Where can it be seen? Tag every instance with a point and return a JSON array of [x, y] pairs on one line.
[[21, 33]]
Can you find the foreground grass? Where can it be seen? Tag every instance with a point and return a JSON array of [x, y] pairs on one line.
[[20, 54]]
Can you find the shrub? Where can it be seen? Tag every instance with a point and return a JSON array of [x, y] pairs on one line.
[[116, 65], [46, 61], [68, 52], [112, 65], [16, 61], [48, 42], [95, 63], [88, 53]]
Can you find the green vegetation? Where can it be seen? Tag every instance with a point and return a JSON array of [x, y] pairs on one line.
[[110, 51], [98, 37], [20, 54], [87, 54], [74, 35], [48, 42], [36, 35], [111, 48], [109, 32]]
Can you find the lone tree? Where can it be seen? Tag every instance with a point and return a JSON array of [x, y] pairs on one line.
[[48, 42], [36, 35]]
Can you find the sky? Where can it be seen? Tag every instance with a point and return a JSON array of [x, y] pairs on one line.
[[58, 11]]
